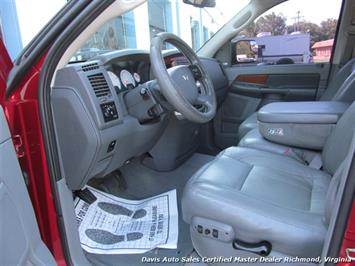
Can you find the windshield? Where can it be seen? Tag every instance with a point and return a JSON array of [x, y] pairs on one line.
[[135, 28]]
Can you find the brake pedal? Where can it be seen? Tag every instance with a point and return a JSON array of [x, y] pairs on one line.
[[86, 195]]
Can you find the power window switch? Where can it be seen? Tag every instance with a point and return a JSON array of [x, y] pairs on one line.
[[111, 146]]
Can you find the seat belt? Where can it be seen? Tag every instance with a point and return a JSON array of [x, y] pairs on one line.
[[333, 199], [316, 162], [343, 170]]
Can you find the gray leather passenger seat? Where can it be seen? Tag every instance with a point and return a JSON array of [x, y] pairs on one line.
[[338, 90], [253, 196]]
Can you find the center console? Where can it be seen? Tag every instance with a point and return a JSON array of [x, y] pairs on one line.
[[300, 124]]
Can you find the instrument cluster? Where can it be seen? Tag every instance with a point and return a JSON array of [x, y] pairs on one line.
[[124, 80]]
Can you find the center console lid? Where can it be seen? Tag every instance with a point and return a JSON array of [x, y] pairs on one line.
[[300, 124]]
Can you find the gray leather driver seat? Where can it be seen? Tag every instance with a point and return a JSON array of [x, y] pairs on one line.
[[252, 196], [336, 91]]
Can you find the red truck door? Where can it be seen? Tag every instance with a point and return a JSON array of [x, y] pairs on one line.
[[5, 68], [20, 243]]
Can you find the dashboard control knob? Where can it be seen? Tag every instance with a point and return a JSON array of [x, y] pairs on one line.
[[143, 91]]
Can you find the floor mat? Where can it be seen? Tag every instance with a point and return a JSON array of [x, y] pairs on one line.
[[142, 182], [113, 225]]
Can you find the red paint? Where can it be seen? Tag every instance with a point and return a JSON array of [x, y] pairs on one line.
[[6, 66], [22, 113], [349, 238]]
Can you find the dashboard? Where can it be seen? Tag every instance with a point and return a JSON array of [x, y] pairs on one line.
[[105, 114]]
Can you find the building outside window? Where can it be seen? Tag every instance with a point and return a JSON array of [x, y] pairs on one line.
[[195, 34], [205, 34], [118, 33], [159, 16], [126, 31], [159, 13]]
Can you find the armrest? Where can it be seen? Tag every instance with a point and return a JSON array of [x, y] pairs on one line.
[[302, 112], [300, 124]]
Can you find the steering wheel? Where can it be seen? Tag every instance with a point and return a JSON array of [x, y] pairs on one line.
[[188, 89]]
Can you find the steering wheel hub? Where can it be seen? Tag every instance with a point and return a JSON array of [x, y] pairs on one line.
[[184, 82], [178, 84]]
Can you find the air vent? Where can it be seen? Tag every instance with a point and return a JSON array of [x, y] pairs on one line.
[[99, 84], [90, 67]]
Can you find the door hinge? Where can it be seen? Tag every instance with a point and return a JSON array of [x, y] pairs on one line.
[[19, 147]]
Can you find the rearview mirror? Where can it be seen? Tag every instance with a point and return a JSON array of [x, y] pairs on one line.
[[201, 3]]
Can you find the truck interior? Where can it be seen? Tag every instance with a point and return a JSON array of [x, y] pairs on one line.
[[258, 154]]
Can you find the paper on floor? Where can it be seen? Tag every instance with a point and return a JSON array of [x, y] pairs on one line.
[[112, 225]]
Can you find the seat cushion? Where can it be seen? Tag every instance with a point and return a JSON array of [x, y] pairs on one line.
[[263, 196], [254, 139], [247, 125]]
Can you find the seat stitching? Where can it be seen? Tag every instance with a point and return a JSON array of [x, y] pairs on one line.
[[206, 167], [284, 172], [286, 181], [246, 176]]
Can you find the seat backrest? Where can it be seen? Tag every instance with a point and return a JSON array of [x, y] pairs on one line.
[[338, 89], [337, 144]]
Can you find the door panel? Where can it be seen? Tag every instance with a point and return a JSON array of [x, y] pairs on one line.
[[283, 87], [20, 239], [253, 86]]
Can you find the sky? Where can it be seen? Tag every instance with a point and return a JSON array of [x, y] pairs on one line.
[[310, 10], [34, 14]]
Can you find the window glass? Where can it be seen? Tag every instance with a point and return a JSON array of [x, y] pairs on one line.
[[159, 17], [135, 29], [297, 31], [22, 20], [195, 34]]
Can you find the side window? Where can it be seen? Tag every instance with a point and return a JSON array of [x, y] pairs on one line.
[[294, 32]]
